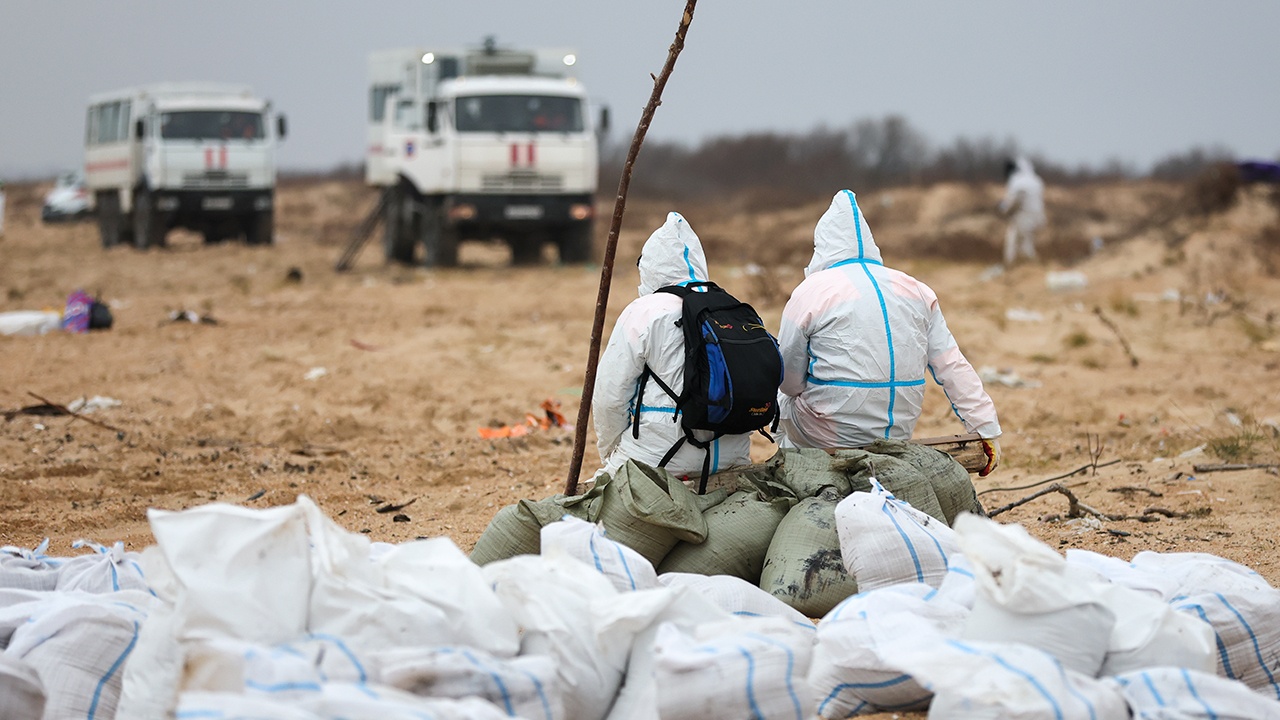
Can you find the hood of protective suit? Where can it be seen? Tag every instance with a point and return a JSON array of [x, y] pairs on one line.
[[842, 235], [671, 256], [1022, 164]]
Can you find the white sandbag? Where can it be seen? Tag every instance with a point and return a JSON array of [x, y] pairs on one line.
[[21, 692], [149, 687], [735, 668], [242, 573], [1004, 681], [1196, 572], [29, 322], [1027, 593], [425, 592], [1247, 625], [736, 596], [551, 599], [23, 569], [850, 673], [105, 570], [1121, 572], [234, 706], [627, 569], [629, 627], [349, 702], [1150, 633], [885, 541], [1170, 693], [523, 686], [958, 585], [77, 645], [230, 665]]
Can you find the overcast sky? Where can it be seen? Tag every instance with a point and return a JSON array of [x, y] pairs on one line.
[[1083, 81]]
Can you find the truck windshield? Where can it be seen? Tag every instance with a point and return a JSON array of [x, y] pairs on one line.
[[211, 125], [519, 113]]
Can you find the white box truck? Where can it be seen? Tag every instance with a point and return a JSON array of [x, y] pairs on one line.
[[189, 155], [482, 144]]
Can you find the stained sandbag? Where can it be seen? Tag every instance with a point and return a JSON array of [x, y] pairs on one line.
[[806, 471], [803, 567], [649, 510], [739, 531], [516, 528], [952, 486], [899, 477]]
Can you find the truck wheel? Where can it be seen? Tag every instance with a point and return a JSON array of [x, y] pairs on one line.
[[439, 240], [148, 225], [577, 244], [258, 228], [525, 249], [399, 241], [109, 219]]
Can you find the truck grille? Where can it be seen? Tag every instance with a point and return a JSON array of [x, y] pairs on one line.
[[521, 181], [215, 179]]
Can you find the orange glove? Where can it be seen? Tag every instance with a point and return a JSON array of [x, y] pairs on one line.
[[991, 448]]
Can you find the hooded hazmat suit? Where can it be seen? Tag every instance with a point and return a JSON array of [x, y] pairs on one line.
[[1023, 202], [646, 333], [857, 340]]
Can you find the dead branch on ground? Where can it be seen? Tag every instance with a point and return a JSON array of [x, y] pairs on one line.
[[1133, 359]]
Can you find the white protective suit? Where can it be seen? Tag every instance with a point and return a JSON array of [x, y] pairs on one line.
[[1023, 202], [646, 332], [857, 339]]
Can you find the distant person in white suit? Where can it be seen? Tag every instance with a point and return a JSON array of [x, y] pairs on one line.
[[1023, 204]]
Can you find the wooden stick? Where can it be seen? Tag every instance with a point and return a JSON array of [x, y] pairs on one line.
[[611, 248], [1133, 359], [1233, 466], [63, 409]]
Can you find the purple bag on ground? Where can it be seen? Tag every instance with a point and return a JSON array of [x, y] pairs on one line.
[[76, 316]]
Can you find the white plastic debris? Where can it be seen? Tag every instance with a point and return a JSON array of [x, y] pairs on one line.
[[1006, 377], [1023, 315], [315, 373], [1065, 280], [93, 404]]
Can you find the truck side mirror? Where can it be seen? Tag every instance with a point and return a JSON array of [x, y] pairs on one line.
[[604, 120], [139, 129], [282, 127], [432, 117]]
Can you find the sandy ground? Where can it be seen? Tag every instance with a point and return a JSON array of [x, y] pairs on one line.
[[365, 390]]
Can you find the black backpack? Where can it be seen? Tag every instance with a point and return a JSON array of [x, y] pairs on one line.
[[732, 370]]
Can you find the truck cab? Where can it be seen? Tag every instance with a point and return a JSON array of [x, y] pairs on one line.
[[489, 147], [189, 155]]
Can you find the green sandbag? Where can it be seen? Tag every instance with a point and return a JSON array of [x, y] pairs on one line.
[[897, 476], [517, 529], [803, 567], [806, 471], [739, 531], [649, 510], [951, 482]]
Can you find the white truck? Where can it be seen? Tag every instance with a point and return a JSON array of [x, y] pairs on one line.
[[199, 156], [482, 144]]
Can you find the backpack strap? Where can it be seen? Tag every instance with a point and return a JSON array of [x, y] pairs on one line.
[[644, 380], [706, 460]]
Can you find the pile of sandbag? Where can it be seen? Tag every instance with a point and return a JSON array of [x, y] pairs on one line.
[[281, 613], [772, 525]]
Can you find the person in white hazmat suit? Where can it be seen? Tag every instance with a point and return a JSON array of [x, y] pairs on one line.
[[857, 340], [646, 333], [1023, 204]]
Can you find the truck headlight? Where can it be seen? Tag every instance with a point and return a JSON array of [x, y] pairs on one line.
[[262, 202], [462, 211], [166, 204], [581, 211]]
